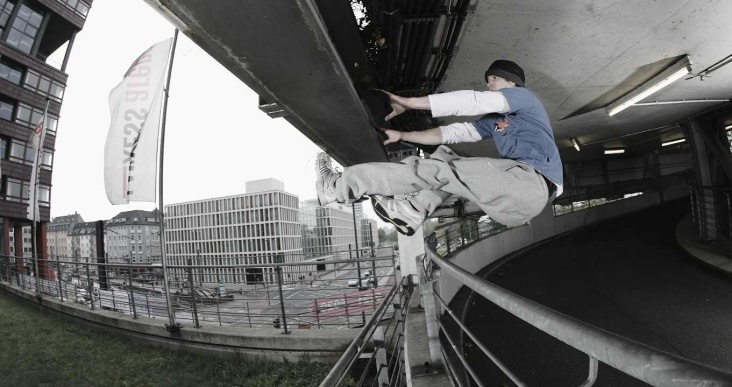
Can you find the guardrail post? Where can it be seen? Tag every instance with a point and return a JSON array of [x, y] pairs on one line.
[[114, 304], [89, 285], [147, 303], [132, 292], [193, 293], [317, 314], [249, 316], [58, 274], [462, 234], [348, 317], [218, 311], [278, 269]]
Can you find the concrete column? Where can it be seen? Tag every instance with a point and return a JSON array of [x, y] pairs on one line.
[[706, 203], [409, 248], [6, 237], [44, 269], [6, 244]]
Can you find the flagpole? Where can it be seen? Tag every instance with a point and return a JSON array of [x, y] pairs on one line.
[[171, 315], [34, 203]]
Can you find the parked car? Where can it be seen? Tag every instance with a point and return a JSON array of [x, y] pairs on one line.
[[363, 283]]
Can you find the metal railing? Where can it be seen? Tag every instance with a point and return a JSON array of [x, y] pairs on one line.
[[711, 212], [337, 293], [640, 361], [452, 239], [379, 347]]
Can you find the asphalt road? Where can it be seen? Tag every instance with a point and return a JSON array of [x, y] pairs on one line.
[[627, 276]]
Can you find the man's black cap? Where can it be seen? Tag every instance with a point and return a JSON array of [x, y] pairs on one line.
[[507, 70]]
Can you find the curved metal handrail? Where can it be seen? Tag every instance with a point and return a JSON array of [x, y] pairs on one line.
[[640, 361]]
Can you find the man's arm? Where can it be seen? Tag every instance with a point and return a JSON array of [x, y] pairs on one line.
[[426, 137], [401, 104], [456, 103]]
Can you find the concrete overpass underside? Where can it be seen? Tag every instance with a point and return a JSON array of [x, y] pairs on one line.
[[315, 63]]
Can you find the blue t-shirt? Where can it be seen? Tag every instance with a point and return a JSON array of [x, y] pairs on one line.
[[524, 134]]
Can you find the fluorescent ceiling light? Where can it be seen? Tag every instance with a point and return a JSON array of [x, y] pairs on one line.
[[575, 144], [677, 71], [673, 142], [614, 151]]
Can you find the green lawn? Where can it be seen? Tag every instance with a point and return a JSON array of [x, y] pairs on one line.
[[41, 350]]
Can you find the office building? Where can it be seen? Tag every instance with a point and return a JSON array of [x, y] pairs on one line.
[[260, 226]]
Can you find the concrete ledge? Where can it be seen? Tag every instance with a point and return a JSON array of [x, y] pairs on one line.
[[707, 252], [417, 349], [319, 345]]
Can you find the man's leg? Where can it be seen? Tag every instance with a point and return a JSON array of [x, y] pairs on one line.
[[508, 191]]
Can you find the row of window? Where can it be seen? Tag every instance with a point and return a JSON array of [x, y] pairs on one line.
[[236, 246], [14, 72], [245, 231], [79, 7], [233, 203], [16, 190], [232, 218], [26, 115], [22, 153]]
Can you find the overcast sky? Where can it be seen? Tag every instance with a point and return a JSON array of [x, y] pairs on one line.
[[216, 137]]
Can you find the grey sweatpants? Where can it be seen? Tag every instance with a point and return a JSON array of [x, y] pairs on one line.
[[510, 192]]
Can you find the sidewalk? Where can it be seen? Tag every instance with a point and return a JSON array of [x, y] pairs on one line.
[[714, 253]]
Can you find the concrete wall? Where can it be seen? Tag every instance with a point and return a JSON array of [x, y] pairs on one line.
[[319, 345], [486, 251]]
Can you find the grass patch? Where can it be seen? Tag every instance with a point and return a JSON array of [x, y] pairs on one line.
[[40, 350]]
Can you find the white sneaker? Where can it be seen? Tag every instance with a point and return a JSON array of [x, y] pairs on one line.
[[399, 212], [325, 185]]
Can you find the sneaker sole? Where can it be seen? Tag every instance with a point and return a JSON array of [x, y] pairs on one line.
[[400, 225]]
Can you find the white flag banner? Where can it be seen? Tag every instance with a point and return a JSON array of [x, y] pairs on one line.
[[35, 142], [131, 150]]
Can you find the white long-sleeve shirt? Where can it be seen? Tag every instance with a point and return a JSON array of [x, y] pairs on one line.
[[465, 103]]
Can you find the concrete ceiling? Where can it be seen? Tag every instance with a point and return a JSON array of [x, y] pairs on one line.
[[578, 55]]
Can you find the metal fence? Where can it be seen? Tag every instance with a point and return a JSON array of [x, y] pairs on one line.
[[642, 362], [336, 293], [711, 212], [376, 356]]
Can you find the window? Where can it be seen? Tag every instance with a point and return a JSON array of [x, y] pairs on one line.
[[44, 195], [6, 9], [13, 189], [30, 116], [25, 28], [78, 6], [10, 71], [47, 159], [17, 151], [6, 109], [43, 85]]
